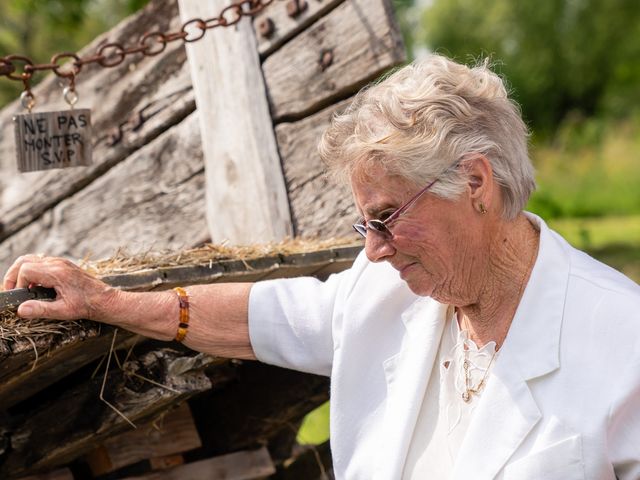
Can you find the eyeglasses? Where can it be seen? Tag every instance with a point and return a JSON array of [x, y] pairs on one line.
[[382, 226]]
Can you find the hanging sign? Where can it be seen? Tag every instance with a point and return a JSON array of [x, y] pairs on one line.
[[47, 140]]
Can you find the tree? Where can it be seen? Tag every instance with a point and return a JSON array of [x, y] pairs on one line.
[[559, 56]]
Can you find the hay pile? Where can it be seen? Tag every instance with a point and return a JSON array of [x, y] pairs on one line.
[[14, 328]]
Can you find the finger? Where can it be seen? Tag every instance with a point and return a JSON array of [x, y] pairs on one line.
[[37, 271], [36, 309], [11, 277]]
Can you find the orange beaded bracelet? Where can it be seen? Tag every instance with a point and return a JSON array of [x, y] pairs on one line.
[[183, 298]]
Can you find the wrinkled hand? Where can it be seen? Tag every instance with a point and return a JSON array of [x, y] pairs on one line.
[[78, 294]]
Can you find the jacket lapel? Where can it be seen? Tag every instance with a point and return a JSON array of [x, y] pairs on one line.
[[507, 411], [407, 375]]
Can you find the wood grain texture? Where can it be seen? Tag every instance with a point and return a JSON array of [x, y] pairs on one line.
[[174, 432], [246, 196], [62, 474], [50, 436], [153, 199], [247, 465], [320, 207], [131, 105], [286, 26], [364, 41]]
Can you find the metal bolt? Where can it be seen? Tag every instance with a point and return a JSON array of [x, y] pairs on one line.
[[296, 7], [326, 59], [266, 27]]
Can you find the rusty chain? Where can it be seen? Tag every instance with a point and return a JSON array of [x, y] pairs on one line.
[[113, 54]]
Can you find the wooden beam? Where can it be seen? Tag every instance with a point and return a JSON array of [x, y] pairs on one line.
[[279, 22], [174, 432], [246, 195], [247, 465], [132, 104], [78, 421], [320, 263], [333, 58], [319, 207], [63, 474], [155, 197]]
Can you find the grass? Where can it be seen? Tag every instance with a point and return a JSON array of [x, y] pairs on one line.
[[591, 169]]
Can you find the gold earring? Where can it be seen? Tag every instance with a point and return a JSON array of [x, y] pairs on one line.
[[482, 209]]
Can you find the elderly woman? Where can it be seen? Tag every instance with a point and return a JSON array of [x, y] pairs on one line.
[[468, 341]]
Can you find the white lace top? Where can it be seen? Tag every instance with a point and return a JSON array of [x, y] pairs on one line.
[[444, 416]]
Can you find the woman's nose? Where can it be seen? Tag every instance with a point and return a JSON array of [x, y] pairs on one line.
[[377, 246]]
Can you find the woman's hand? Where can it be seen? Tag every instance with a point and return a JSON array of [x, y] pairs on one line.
[[78, 294]]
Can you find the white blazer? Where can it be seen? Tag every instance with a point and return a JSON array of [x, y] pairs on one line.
[[563, 399]]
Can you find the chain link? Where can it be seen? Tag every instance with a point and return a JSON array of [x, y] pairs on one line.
[[113, 54]]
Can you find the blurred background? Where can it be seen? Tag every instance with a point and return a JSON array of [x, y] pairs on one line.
[[573, 65]]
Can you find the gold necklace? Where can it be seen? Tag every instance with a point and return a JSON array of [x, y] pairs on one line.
[[469, 390]]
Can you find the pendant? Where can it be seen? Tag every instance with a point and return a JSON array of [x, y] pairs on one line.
[[466, 397]]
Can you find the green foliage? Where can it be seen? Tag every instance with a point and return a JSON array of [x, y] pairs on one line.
[[592, 169], [39, 29], [559, 56], [315, 426]]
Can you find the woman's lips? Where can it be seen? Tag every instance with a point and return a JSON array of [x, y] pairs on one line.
[[404, 270]]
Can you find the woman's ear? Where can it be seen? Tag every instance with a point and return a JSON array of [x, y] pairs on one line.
[[479, 178]]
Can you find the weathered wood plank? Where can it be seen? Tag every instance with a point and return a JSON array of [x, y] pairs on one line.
[[136, 101], [153, 199], [246, 465], [174, 432], [23, 374], [285, 25], [51, 437], [63, 474], [280, 266], [335, 56], [319, 207], [246, 196]]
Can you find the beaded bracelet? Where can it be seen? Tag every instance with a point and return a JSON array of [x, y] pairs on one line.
[[183, 299]]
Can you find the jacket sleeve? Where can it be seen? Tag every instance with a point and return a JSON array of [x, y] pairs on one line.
[[291, 321]]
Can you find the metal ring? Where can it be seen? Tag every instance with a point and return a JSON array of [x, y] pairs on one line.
[[27, 100], [200, 24], [118, 55], [22, 76], [70, 96], [233, 7], [77, 66], [159, 39]]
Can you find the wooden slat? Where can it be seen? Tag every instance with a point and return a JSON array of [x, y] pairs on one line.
[[142, 98], [24, 374], [246, 195], [63, 474], [175, 432], [51, 436], [154, 198], [279, 266], [319, 206], [286, 26], [246, 465], [363, 40]]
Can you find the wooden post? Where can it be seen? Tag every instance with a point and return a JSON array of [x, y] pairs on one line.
[[246, 195]]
